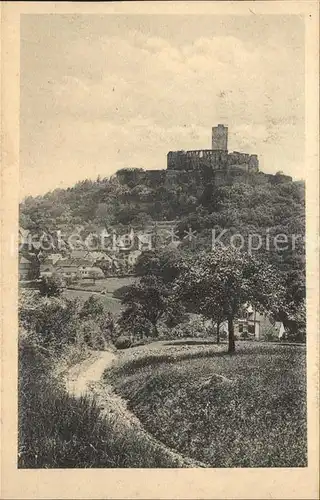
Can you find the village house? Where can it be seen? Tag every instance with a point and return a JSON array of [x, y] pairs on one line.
[[67, 268], [91, 272], [46, 268], [28, 267], [256, 326], [100, 257], [81, 254], [55, 257]]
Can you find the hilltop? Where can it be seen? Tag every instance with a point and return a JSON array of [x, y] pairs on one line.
[[136, 197]]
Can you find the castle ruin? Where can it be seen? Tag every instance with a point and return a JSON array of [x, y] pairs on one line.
[[215, 166], [217, 158]]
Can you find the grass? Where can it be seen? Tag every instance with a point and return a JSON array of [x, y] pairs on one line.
[[82, 291], [71, 433], [108, 284], [245, 410], [113, 305], [57, 430]]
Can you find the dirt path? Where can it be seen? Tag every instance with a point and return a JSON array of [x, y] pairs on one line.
[[85, 378], [82, 376]]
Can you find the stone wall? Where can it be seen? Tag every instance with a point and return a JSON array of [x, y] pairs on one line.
[[224, 177], [215, 159]]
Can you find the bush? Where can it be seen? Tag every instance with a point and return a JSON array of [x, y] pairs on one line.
[[57, 430], [193, 328], [122, 342], [51, 286], [54, 322], [92, 308], [120, 293], [91, 334]]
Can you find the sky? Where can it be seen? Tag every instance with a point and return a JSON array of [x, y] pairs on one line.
[[101, 93]]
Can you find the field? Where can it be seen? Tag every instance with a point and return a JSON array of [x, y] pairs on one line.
[[109, 285], [245, 410], [84, 289], [112, 304]]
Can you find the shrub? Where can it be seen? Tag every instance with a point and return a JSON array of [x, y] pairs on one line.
[[51, 286], [120, 293], [57, 430], [193, 328], [54, 322], [122, 342], [92, 308], [91, 334]]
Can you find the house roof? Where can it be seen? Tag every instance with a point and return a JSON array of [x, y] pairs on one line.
[[23, 260], [98, 255], [62, 263], [55, 257], [23, 232], [46, 262], [82, 262], [79, 254], [67, 263], [93, 268]]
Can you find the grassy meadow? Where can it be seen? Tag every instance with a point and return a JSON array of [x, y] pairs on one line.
[[85, 288], [245, 410], [58, 430], [111, 303], [108, 285]]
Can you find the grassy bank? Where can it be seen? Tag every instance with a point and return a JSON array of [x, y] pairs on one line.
[[57, 430], [246, 410], [112, 304], [109, 285], [84, 289]]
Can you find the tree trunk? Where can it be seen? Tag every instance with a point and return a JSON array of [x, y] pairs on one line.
[[231, 347], [155, 332], [218, 332]]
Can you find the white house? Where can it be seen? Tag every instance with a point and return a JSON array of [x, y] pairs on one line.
[[91, 272]]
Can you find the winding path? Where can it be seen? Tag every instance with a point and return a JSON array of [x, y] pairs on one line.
[[80, 377], [85, 378]]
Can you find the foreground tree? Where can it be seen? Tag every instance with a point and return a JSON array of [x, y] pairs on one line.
[[219, 284], [146, 302], [92, 308], [165, 263]]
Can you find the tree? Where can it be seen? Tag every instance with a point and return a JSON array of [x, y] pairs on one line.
[[92, 308], [51, 286], [164, 263], [134, 322], [95, 274], [146, 300], [90, 332], [175, 312], [54, 322], [227, 279], [107, 326]]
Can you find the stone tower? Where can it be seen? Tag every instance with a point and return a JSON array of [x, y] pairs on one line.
[[220, 138]]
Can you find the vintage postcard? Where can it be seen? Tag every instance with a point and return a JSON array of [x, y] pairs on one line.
[[160, 275]]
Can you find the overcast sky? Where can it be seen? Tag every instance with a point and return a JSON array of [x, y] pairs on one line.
[[100, 93]]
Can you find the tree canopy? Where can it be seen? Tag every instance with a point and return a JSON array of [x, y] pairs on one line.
[[220, 283]]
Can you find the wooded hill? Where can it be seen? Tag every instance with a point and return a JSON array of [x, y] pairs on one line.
[[129, 198], [133, 198]]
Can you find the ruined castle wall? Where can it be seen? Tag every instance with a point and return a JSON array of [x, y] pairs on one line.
[[215, 159], [130, 176]]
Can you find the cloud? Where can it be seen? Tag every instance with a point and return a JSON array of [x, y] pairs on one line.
[[109, 102]]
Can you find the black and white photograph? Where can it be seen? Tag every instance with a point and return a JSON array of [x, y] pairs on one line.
[[161, 246]]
